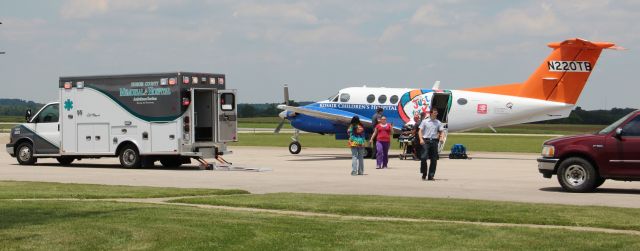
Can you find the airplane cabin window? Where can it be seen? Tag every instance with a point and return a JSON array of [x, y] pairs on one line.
[[371, 98], [462, 101], [344, 97], [382, 99], [393, 99]]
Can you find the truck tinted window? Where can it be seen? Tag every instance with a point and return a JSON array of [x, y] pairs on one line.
[[615, 125], [49, 114], [227, 101], [632, 128]]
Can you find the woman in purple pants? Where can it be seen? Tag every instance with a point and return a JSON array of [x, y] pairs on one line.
[[382, 134]]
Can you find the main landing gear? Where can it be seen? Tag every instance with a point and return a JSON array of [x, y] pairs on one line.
[[295, 147]]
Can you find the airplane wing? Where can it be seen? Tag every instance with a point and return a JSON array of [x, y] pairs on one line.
[[338, 116]]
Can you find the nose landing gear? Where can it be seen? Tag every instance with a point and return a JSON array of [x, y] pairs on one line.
[[295, 147]]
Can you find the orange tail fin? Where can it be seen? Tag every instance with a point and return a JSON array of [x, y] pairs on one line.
[[561, 77]]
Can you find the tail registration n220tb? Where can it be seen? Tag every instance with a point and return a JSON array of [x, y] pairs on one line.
[[551, 92]]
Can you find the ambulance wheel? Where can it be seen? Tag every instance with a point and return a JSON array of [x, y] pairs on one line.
[[295, 147], [130, 157], [24, 154], [65, 161], [171, 162]]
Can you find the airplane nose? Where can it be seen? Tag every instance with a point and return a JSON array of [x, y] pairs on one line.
[[283, 115]]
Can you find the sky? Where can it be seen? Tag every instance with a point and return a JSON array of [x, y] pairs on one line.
[[316, 47]]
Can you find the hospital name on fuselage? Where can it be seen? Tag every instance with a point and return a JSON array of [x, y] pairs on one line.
[[358, 106]]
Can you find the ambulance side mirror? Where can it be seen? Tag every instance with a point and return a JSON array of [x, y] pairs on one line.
[[27, 115]]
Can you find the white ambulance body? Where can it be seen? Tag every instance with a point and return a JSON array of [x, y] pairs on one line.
[[141, 118]]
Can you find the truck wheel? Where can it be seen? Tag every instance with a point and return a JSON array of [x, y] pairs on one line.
[[65, 161], [577, 175], [171, 162], [24, 154], [130, 157], [295, 147]]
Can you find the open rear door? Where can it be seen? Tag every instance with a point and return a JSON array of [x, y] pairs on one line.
[[227, 116]]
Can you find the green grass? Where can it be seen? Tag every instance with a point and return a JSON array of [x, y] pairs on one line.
[[16, 119], [103, 225], [31, 190], [434, 208], [481, 143], [49, 225], [564, 129]]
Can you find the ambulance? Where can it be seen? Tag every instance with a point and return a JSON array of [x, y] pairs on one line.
[[139, 118]]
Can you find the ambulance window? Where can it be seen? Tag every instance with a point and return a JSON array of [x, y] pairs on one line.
[[227, 101], [371, 98], [344, 97], [49, 114], [382, 99], [393, 99], [462, 101]]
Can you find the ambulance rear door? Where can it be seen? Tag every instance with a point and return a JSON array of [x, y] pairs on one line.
[[227, 116]]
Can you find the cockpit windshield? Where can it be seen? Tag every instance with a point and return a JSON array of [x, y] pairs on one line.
[[334, 97]]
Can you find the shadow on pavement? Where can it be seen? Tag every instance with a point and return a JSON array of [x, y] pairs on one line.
[[599, 190], [116, 166]]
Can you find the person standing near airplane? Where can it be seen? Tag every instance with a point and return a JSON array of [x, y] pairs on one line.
[[430, 133], [356, 143], [382, 135], [374, 120]]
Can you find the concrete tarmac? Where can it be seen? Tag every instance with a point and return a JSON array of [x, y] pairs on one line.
[[488, 176]]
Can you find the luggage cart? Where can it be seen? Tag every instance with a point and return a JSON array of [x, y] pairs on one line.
[[406, 140]]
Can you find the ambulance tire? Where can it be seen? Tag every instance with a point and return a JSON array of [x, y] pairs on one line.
[[130, 157], [295, 147], [171, 162], [24, 154]]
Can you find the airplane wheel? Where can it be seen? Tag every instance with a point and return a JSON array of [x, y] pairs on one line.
[[295, 147]]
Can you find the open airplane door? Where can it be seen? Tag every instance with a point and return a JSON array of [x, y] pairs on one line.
[[442, 102]]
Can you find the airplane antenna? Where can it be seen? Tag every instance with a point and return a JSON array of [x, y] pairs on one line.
[[436, 85]]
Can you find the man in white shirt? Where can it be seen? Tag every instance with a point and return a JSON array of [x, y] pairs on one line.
[[430, 135]]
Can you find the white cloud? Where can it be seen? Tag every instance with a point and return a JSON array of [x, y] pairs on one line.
[[288, 12], [329, 34], [81, 9], [428, 15], [391, 33]]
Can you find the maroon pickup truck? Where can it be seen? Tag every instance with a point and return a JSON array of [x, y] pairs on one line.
[[583, 162]]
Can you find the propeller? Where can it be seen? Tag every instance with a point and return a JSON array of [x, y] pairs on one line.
[[284, 113]]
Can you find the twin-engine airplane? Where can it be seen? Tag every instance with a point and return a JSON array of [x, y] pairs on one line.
[[550, 92]]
